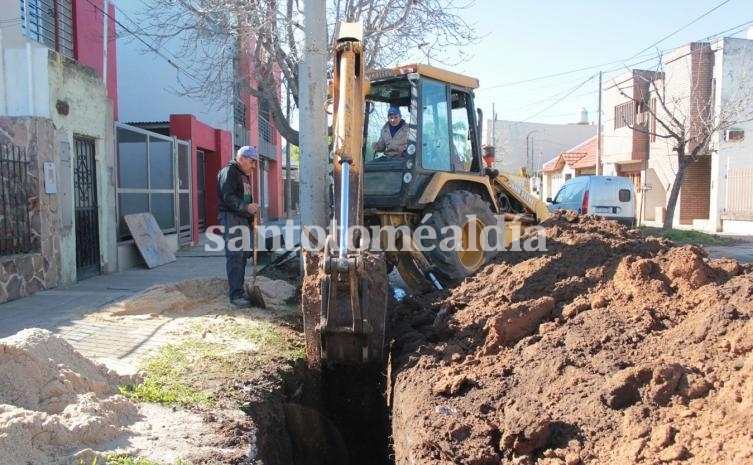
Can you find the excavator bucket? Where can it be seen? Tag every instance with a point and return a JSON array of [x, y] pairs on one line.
[[344, 317]]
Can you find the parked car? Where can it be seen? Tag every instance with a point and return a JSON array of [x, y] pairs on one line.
[[612, 197]]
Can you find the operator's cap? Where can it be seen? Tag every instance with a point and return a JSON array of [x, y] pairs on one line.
[[393, 111], [248, 152]]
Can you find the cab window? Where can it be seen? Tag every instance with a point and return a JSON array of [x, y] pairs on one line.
[[381, 97], [435, 117], [461, 150]]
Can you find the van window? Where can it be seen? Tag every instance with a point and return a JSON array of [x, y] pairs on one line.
[[624, 195], [568, 193]]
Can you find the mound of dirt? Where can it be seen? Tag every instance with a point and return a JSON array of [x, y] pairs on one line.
[[53, 401], [59, 407], [607, 348], [191, 294], [56, 406]]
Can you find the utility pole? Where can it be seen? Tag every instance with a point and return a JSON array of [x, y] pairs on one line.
[[598, 133], [494, 119], [312, 119], [529, 148]]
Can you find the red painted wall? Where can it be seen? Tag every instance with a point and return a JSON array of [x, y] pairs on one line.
[[217, 145], [275, 187], [88, 44]]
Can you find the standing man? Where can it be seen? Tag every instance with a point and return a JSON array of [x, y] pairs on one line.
[[394, 137], [237, 208]]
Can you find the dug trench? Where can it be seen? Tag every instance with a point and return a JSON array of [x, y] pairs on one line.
[[310, 417], [608, 347], [322, 415]]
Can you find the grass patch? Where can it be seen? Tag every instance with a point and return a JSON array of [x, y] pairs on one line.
[[125, 460], [213, 352], [696, 237], [164, 380]]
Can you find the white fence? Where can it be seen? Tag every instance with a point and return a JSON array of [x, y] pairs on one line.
[[739, 195]]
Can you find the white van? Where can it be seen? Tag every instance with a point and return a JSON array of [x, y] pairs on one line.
[[612, 197]]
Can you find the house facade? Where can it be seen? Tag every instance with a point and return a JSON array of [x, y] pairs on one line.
[[577, 161], [731, 184], [153, 109], [528, 145], [700, 83], [57, 106]]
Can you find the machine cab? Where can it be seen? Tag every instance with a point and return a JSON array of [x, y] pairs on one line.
[[437, 108]]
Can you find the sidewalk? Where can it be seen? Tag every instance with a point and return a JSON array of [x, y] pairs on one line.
[[62, 310], [121, 345]]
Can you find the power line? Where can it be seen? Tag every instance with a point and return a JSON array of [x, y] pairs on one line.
[[622, 61], [622, 67], [736, 29], [170, 61], [561, 98], [680, 29]]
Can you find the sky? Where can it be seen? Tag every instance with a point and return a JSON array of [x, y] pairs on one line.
[[538, 60], [524, 43]]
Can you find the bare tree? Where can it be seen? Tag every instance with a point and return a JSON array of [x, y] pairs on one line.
[[210, 37], [688, 119]]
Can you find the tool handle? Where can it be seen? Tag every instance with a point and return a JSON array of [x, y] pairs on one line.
[[253, 244]]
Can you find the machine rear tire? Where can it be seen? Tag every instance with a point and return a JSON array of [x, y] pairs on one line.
[[455, 208]]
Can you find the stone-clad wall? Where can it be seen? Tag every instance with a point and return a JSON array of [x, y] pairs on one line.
[[25, 274]]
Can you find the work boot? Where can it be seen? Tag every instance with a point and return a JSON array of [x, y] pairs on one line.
[[241, 302]]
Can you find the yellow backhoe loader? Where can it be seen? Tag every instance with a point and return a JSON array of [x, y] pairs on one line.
[[434, 211]]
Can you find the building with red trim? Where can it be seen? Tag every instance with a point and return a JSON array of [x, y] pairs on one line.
[[58, 102]]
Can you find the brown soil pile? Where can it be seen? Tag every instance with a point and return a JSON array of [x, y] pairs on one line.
[[608, 348]]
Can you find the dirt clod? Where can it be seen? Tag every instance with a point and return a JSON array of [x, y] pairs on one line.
[[607, 348]]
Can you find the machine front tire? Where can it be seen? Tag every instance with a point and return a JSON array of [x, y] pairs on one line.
[[471, 214]]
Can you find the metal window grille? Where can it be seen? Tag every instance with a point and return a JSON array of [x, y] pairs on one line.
[[624, 115], [240, 134], [239, 113], [16, 192], [265, 128], [49, 22]]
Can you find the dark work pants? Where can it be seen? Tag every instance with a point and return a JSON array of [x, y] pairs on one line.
[[235, 257]]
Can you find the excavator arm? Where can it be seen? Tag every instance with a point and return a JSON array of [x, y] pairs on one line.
[[345, 289]]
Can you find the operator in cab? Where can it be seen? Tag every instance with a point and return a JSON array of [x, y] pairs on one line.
[[394, 136]]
